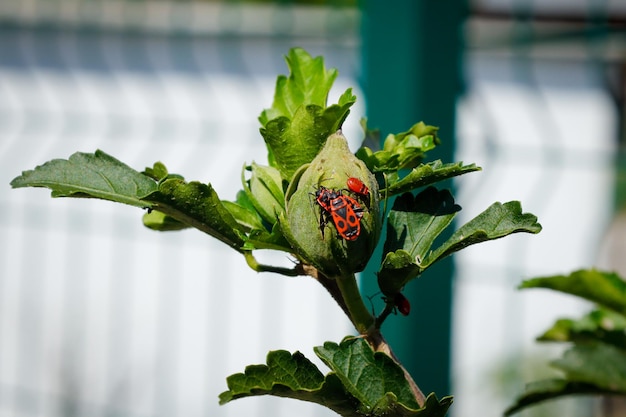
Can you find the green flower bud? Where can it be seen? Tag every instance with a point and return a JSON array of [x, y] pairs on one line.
[[327, 250]]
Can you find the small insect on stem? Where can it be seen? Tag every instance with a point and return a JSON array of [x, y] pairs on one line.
[[402, 304]]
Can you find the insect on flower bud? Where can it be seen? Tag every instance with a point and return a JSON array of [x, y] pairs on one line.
[[333, 227]]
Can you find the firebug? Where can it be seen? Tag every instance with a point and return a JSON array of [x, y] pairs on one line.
[[356, 186], [402, 304], [323, 196], [344, 212]]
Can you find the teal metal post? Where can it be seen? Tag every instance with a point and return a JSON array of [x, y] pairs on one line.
[[411, 72]]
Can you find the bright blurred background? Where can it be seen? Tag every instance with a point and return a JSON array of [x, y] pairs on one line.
[[100, 316]]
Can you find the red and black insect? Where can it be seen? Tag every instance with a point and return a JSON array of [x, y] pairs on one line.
[[356, 186], [402, 304], [344, 212]]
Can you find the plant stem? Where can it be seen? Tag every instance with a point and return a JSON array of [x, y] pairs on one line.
[[359, 314], [385, 313], [332, 288], [255, 265], [345, 291]]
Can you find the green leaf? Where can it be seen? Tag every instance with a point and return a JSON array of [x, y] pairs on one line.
[[367, 375], [427, 174], [282, 373], [416, 221], [413, 225], [590, 368], [295, 182], [376, 382], [309, 82], [604, 288], [86, 175], [290, 376], [294, 376], [549, 389], [198, 205], [599, 325], [159, 172], [248, 219], [285, 375], [296, 127], [261, 239], [499, 220], [161, 222], [396, 270], [433, 407], [595, 363], [401, 151], [264, 191], [296, 142]]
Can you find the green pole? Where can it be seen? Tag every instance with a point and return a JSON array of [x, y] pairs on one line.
[[411, 72]]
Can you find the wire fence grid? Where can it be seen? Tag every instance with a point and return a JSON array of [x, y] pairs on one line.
[[540, 114], [102, 317]]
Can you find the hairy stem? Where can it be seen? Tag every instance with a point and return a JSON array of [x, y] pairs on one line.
[[358, 312], [383, 315], [255, 265], [329, 284], [346, 292]]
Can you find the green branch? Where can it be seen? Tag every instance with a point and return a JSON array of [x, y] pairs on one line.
[[255, 265], [359, 314]]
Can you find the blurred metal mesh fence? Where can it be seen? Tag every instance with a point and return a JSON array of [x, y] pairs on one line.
[[541, 115], [101, 317], [98, 315]]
